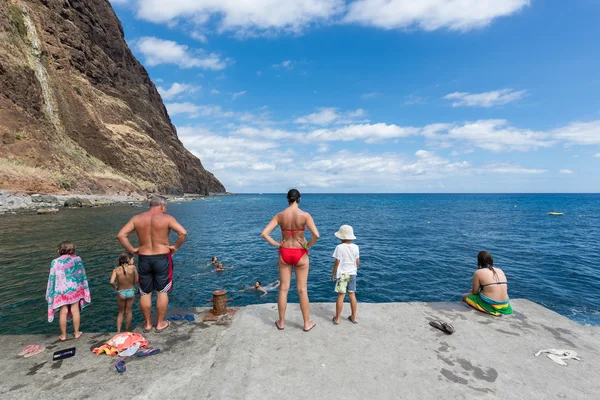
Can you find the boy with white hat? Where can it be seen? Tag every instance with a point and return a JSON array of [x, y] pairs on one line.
[[346, 264]]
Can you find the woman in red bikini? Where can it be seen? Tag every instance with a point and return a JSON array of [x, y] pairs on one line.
[[293, 253]]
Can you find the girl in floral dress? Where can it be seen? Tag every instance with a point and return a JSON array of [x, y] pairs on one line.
[[68, 289]]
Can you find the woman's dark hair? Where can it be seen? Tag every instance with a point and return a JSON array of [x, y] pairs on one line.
[[257, 282], [485, 260], [66, 248], [125, 257], [293, 196]]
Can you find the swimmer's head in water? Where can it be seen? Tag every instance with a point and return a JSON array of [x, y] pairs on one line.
[[257, 284], [214, 258], [219, 265], [293, 196], [126, 258], [159, 202], [485, 260], [66, 248]]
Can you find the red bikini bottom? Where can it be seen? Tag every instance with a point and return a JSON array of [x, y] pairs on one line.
[[292, 256]]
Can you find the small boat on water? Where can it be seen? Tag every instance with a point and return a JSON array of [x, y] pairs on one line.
[[556, 214]]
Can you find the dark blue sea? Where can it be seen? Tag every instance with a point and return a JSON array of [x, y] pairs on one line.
[[413, 248]]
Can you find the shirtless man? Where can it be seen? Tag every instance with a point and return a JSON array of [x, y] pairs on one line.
[[155, 266]]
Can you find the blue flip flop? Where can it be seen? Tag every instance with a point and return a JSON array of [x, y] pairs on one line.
[[189, 317], [120, 365], [333, 320], [176, 317], [148, 352], [350, 319]]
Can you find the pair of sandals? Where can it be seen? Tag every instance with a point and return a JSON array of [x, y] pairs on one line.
[[178, 317], [150, 351], [349, 319], [31, 350], [442, 326]]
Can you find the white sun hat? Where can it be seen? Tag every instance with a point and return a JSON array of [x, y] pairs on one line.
[[345, 233]]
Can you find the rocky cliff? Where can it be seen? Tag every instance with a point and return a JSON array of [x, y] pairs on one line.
[[78, 112]]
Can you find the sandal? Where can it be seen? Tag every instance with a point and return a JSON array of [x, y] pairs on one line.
[[148, 352], [163, 329], [442, 326], [27, 349], [34, 351], [120, 365]]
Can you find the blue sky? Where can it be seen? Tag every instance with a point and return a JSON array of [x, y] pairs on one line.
[[379, 95]]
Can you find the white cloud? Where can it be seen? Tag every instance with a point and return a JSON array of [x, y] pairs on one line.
[[242, 16], [370, 133], [287, 64], [486, 99], [325, 116], [412, 99], [511, 169], [176, 89], [330, 115], [597, 155], [566, 171], [323, 148], [429, 15], [496, 135], [238, 94], [183, 108], [199, 37], [214, 91], [158, 51], [583, 133], [268, 17], [368, 96], [265, 133]]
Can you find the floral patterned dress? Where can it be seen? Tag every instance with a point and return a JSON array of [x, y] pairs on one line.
[[67, 284]]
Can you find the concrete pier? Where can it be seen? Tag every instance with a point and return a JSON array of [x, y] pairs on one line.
[[392, 353]]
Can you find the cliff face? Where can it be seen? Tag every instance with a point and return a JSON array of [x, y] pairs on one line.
[[78, 112]]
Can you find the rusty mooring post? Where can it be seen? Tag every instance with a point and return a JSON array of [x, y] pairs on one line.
[[219, 309], [219, 301]]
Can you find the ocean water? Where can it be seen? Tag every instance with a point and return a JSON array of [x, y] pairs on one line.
[[413, 248]]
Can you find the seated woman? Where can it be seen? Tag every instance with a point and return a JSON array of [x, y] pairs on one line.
[[489, 293]]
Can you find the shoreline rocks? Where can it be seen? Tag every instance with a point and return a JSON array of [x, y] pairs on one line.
[[48, 211]]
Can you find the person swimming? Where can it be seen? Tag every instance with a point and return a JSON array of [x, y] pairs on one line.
[[123, 280], [265, 289], [214, 260], [220, 267]]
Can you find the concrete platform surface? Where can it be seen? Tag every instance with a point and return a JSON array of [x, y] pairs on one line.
[[392, 353]]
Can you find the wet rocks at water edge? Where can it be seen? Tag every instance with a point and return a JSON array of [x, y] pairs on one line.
[[48, 211], [44, 198], [75, 202]]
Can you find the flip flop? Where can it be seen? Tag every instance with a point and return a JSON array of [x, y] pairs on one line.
[[120, 365], [309, 329], [163, 329], [278, 327], [449, 329], [350, 319], [34, 351], [333, 320], [148, 352], [26, 349], [148, 330], [176, 317], [442, 326], [189, 317]]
